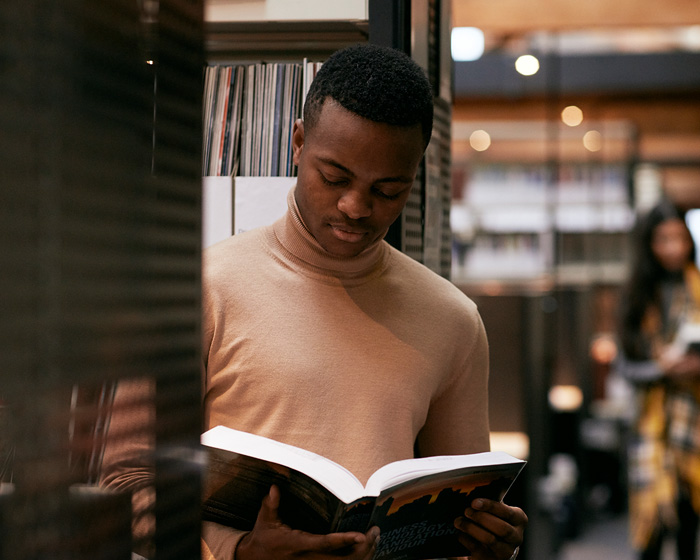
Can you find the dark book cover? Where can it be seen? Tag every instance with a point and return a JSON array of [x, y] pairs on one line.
[[415, 516]]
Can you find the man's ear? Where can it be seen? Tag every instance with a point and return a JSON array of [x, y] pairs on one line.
[[297, 140]]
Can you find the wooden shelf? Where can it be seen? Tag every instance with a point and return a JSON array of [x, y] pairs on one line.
[[285, 10], [280, 41]]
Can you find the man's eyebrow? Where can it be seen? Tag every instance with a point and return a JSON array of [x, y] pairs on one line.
[[332, 162], [397, 179]]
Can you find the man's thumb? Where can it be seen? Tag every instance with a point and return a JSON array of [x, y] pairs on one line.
[[268, 510]]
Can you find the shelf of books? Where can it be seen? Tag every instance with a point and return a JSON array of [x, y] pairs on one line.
[[249, 112], [261, 59], [525, 222]]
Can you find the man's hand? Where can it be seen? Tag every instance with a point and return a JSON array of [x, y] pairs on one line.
[[684, 368], [491, 530], [270, 539]]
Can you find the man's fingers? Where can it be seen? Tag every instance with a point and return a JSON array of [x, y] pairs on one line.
[[504, 521], [280, 540], [510, 514], [334, 541], [479, 551], [491, 526], [270, 504]]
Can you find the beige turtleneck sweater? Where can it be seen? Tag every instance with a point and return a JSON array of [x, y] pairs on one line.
[[355, 359]]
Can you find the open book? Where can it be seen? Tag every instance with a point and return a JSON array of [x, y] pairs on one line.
[[413, 502]]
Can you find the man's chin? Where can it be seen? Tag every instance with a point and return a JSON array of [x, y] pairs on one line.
[[344, 250]]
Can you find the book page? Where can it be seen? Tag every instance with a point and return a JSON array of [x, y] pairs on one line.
[[329, 474], [403, 471]]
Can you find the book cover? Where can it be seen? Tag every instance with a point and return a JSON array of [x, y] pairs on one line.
[[228, 122], [234, 145], [225, 88], [247, 120], [280, 77], [210, 90], [413, 502]]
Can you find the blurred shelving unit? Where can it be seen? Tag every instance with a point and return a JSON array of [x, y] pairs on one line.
[[540, 236], [525, 217], [542, 215]]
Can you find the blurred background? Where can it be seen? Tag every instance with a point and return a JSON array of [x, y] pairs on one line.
[[569, 120]]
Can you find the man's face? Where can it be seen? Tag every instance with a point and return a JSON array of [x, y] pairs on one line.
[[354, 177]]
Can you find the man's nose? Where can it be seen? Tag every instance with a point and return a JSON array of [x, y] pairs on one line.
[[355, 204]]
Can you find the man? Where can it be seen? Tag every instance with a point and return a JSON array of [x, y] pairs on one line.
[[319, 334]]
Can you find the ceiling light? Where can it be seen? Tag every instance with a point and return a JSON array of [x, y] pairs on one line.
[[593, 141], [527, 65], [467, 43], [480, 140], [572, 115]]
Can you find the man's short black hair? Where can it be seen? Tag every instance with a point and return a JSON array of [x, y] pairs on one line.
[[377, 83]]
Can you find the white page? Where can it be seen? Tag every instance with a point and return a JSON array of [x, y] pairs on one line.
[[331, 475], [403, 471]]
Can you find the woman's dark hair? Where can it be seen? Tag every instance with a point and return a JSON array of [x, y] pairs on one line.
[[377, 83], [646, 276]]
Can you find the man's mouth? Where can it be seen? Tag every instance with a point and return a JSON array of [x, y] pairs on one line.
[[348, 234]]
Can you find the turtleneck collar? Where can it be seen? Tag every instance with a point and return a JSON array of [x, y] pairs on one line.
[[300, 248]]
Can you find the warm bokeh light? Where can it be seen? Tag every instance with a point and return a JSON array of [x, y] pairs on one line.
[[480, 140], [467, 43], [572, 115], [593, 141], [527, 65], [565, 398], [604, 350], [515, 443]]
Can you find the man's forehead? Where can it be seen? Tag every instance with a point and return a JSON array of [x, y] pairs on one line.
[[332, 110]]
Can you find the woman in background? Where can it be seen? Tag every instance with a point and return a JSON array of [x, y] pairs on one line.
[[662, 296]]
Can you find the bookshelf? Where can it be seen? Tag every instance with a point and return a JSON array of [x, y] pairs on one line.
[[268, 35], [560, 220]]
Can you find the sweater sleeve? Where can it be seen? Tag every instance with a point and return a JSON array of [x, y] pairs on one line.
[[127, 464], [219, 542], [457, 422]]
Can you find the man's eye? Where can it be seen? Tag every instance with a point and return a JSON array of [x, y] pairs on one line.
[[386, 196], [334, 182]]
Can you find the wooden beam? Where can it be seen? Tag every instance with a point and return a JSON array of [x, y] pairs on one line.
[[514, 16]]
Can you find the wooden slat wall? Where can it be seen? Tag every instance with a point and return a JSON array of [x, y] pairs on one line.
[[514, 16], [99, 262]]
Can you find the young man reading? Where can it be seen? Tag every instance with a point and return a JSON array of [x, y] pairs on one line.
[[319, 334]]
